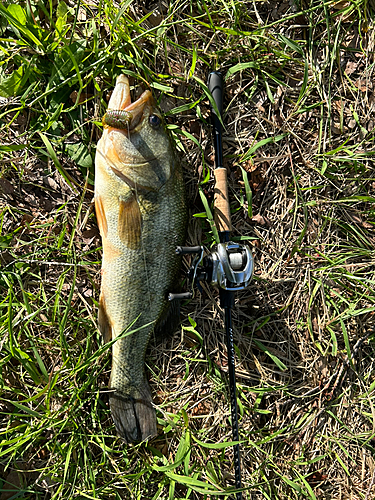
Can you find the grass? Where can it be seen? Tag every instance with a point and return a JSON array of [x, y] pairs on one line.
[[299, 148]]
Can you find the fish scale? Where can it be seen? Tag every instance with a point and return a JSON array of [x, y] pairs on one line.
[[141, 212]]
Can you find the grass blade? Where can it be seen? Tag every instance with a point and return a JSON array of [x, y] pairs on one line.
[[274, 358]]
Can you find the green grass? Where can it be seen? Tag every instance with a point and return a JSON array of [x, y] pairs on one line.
[[299, 148]]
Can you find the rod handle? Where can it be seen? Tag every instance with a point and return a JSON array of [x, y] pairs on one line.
[[222, 207], [215, 85]]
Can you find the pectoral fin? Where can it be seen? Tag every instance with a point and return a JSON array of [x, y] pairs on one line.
[[130, 222], [100, 216]]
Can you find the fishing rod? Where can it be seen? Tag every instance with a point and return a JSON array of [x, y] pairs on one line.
[[236, 259], [230, 267]]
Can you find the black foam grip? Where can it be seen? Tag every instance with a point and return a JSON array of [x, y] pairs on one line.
[[215, 85]]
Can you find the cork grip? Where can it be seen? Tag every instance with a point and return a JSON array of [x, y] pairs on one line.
[[222, 208]]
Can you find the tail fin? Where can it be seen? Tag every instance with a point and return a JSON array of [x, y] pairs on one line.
[[134, 417]]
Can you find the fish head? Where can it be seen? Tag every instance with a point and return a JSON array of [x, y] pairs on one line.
[[135, 145]]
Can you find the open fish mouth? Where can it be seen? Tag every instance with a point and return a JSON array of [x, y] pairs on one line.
[[132, 138], [122, 113]]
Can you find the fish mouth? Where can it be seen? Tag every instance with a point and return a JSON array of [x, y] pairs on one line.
[[122, 113]]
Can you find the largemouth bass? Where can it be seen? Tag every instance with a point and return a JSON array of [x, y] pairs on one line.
[[141, 213]]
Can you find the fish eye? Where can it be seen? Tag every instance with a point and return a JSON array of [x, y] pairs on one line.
[[154, 121]]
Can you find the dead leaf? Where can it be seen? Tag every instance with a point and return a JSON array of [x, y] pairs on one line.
[[336, 129], [248, 166], [6, 187], [360, 222], [316, 477], [200, 409], [350, 67], [12, 485], [295, 79], [340, 5], [26, 219], [195, 128], [260, 107], [262, 221], [50, 182], [361, 84], [82, 98], [88, 234], [338, 105]]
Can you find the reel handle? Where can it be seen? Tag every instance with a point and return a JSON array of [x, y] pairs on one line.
[[215, 85]]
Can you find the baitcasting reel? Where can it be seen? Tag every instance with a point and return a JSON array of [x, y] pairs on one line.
[[230, 268]]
